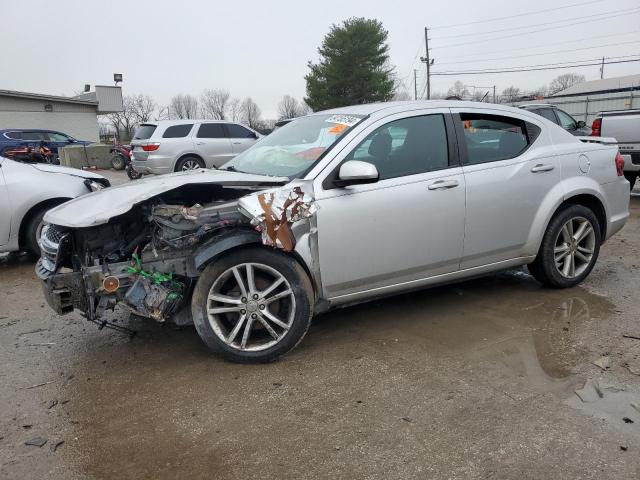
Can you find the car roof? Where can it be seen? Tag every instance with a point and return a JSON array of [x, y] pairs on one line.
[[402, 106], [537, 105], [29, 130], [184, 122]]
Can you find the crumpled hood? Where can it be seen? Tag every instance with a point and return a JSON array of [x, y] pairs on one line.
[[99, 207], [46, 167]]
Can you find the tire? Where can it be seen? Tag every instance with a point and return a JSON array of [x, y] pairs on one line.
[[631, 178], [293, 310], [118, 162], [32, 231], [557, 242], [132, 173], [188, 163]]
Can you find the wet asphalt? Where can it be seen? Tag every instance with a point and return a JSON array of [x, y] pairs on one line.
[[472, 380]]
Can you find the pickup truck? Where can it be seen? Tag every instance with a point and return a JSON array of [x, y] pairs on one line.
[[624, 126]]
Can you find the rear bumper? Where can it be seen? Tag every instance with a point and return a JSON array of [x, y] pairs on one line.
[[155, 164], [617, 198]]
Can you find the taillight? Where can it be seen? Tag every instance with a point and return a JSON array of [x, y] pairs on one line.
[[619, 164], [150, 147], [596, 127]]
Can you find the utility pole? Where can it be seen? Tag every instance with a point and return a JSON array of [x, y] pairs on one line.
[[426, 60], [415, 84], [494, 94], [602, 69]]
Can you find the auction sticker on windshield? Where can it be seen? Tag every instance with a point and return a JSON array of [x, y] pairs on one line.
[[347, 120]]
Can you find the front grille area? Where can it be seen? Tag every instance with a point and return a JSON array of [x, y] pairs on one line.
[[54, 233], [51, 242]]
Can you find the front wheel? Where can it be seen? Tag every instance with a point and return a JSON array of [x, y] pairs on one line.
[[253, 305], [118, 161], [569, 249]]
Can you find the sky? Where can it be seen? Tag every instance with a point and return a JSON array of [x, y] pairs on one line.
[[261, 49]]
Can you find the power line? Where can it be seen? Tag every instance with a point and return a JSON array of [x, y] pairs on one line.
[[577, 40], [540, 54], [510, 29], [518, 70], [519, 34], [580, 4]]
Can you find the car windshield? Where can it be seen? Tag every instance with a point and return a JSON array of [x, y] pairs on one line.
[[294, 148]]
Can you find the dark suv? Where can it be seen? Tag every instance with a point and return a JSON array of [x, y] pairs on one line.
[[16, 138], [559, 117]]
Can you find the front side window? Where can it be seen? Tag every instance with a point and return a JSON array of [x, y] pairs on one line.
[[33, 136], [294, 149], [57, 137], [238, 131], [406, 147], [566, 121], [178, 131], [490, 138], [211, 130]]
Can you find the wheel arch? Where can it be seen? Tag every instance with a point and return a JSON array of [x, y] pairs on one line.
[[189, 154], [45, 204], [593, 203]]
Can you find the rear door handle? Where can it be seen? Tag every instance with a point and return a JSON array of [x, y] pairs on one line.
[[542, 168], [199, 143], [237, 143], [443, 184]]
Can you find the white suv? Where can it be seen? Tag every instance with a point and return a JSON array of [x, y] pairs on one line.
[[174, 145]]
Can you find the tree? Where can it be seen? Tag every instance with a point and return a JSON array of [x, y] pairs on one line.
[[143, 107], [250, 113], [564, 81], [235, 110], [353, 66], [510, 94], [289, 107], [184, 106], [214, 104], [124, 122], [458, 90]]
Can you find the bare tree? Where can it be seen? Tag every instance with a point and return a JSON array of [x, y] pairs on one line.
[[564, 81], [288, 108], [510, 94], [184, 106], [214, 104], [250, 113], [143, 107], [234, 110], [124, 122], [458, 90]]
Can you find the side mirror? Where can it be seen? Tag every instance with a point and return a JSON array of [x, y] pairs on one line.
[[355, 172], [581, 124]]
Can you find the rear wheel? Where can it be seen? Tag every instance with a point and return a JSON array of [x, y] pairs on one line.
[[631, 178], [118, 162], [189, 163], [252, 306], [569, 249]]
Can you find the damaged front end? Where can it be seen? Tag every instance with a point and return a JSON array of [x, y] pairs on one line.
[[149, 258]]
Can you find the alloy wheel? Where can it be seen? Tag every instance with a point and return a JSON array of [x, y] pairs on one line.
[[251, 307], [190, 165], [574, 247]]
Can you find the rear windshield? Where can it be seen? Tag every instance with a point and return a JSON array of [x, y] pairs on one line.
[[178, 131], [144, 132]]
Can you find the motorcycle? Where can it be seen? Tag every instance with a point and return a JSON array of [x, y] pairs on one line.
[[121, 159]]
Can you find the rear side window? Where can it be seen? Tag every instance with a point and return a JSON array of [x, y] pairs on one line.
[[13, 135], [178, 131], [144, 132], [546, 113], [211, 130], [490, 138], [238, 131], [566, 121]]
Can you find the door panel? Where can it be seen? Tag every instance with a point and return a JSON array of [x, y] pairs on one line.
[[241, 138], [503, 196], [212, 145]]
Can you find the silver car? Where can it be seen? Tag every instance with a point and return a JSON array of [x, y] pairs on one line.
[[177, 145], [336, 208], [28, 190]]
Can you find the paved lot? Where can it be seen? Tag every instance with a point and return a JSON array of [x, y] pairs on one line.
[[474, 380]]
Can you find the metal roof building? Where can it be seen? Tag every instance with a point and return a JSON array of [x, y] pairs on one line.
[[76, 116], [585, 100]]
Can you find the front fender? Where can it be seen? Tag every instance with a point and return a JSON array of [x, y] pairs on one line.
[[561, 192], [220, 244]]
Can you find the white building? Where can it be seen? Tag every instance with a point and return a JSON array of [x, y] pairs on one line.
[[585, 100], [76, 116]]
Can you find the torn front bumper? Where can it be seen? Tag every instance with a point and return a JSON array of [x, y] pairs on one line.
[[64, 292]]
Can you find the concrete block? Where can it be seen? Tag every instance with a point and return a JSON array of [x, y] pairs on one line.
[[79, 156]]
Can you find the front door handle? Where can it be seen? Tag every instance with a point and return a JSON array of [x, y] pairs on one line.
[[443, 184], [237, 143], [199, 143], [542, 168]]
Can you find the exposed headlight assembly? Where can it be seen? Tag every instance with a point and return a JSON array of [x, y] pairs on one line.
[[96, 184]]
